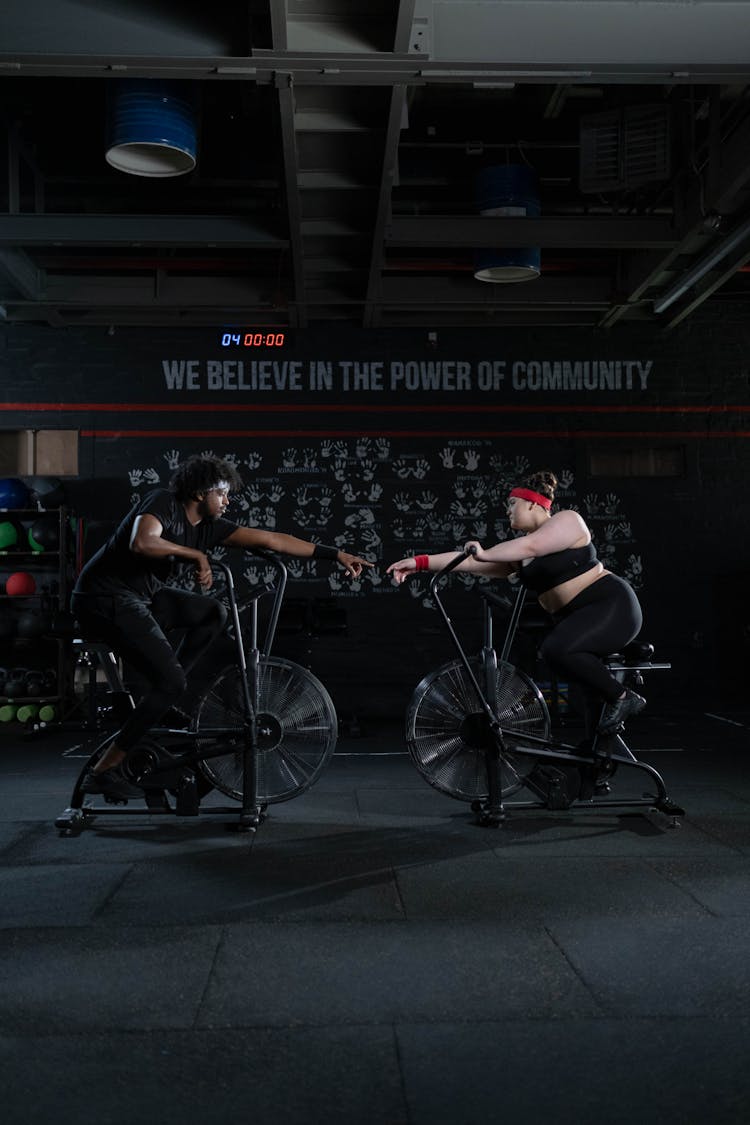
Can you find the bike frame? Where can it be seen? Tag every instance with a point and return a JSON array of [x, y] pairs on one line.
[[248, 664]]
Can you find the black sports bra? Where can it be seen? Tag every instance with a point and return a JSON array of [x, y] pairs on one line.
[[547, 571]]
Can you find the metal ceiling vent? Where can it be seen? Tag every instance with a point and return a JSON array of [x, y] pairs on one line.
[[507, 189], [152, 130], [624, 148]]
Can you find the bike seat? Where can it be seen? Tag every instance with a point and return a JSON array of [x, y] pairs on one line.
[[637, 652], [84, 640], [496, 600]]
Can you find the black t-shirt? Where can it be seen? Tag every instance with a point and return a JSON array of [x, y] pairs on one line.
[[115, 569]]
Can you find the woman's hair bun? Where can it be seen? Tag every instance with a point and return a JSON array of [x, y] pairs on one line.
[[544, 482]]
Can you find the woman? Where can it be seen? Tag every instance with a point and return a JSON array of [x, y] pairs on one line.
[[594, 612]]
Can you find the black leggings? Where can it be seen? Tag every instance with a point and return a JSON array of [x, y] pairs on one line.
[[600, 620], [136, 630]]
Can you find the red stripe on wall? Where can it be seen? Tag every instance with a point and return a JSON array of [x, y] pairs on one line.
[[365, 408]]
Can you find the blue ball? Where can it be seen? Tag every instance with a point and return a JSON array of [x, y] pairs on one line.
[[13, 493]]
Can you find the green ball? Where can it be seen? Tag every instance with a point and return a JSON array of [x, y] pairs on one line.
[[8, 535], [27, 712], [47, 713], [7, 713]]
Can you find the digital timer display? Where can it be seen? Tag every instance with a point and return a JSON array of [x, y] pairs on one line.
[[252, 340]]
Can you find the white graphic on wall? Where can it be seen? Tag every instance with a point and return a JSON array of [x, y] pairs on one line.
[[383, 499]]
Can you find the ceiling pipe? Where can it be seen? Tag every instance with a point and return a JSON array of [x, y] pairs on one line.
[[701, 268]]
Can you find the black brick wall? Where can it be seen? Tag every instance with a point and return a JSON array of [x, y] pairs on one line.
[[395, 470]]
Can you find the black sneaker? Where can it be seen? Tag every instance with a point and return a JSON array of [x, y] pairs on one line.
[[175, 719], [615, 714], [110, 783]]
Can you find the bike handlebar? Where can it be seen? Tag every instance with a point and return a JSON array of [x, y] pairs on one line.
[[462, 556], [279, 588]]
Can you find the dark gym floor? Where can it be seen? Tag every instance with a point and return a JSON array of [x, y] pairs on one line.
[[372, 957]]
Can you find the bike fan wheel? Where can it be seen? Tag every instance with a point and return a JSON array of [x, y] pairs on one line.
[[447, 731], [297, 730]]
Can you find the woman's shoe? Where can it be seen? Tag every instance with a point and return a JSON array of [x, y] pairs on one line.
[[615, 714]]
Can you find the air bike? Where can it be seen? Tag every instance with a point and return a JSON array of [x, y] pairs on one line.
[[478, 729], [261, 732]]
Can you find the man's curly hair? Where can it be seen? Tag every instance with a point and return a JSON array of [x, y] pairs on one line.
[[198, 474]]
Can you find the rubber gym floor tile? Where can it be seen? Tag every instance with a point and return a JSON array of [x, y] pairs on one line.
[[578, 833], [111, 839], [661, 967], [420, 803], [730, 829], [340, 1076], [44, 803], [577, 1072], [54, 895], [229, 889], [308, 836], [345, 973], [318, 807], [364, 771], [483, 887], [722, 886], [13, 834], [702, 799], [73, 980]]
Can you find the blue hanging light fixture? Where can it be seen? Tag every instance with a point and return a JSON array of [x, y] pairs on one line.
[[507, 189], [152, 128]]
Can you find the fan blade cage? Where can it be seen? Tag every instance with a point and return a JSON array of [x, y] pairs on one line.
[[448, 733], [296, 731]]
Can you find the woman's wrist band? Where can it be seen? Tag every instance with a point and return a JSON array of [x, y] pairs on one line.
[[320, 551], [422, 562]]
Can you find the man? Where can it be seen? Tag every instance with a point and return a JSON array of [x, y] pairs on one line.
[[121, 595]]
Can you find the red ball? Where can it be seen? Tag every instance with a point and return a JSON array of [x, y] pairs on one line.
[[20, 584]]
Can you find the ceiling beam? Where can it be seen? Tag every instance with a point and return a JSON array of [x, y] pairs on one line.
[[396, 120], [726, 182], [279, 16], [285, 92], [19, 269], [138, 230], [404, 292], [586, 232], [362, 68]]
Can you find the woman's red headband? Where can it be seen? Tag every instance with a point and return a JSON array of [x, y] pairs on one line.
[[534, 497]]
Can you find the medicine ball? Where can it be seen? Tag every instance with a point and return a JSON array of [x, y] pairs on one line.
[[20, 584], [47, 492], [12, 535], [13, 493], [7, 625], [7, 713], [47, 713], [45, 534], [32, 623]]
